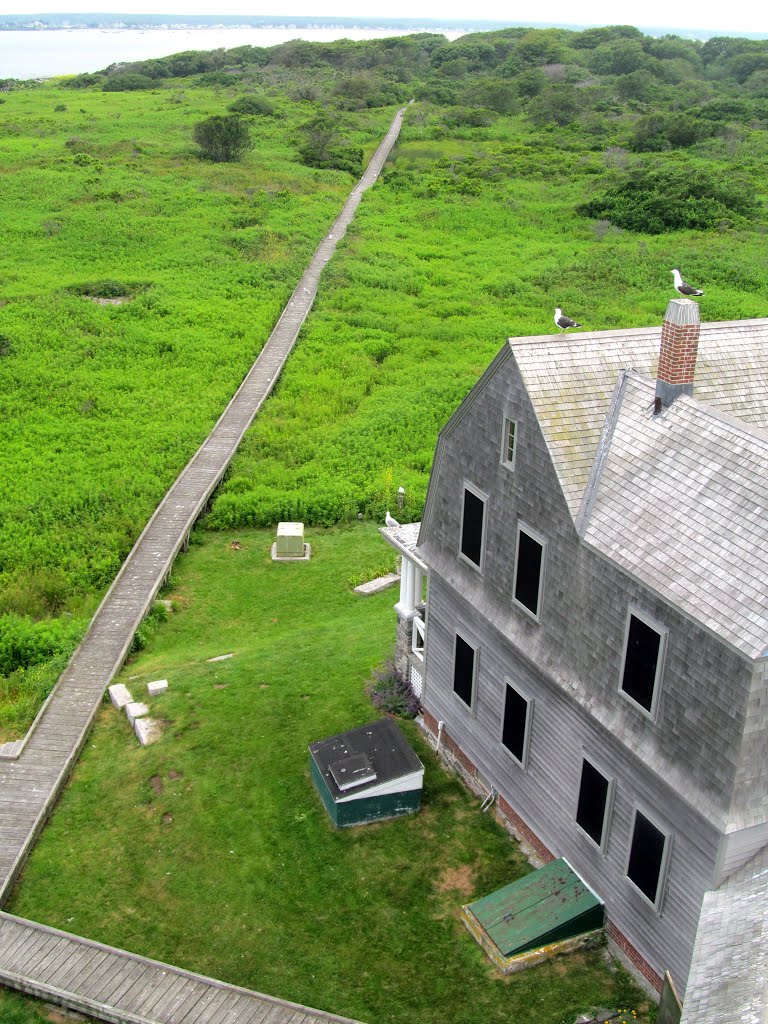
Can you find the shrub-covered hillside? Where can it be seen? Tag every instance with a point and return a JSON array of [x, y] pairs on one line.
[[139, 277]]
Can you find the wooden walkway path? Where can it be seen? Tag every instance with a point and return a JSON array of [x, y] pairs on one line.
[[116, 986], [34, 770]]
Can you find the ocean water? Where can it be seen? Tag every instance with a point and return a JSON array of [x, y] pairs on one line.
[[45, 53]]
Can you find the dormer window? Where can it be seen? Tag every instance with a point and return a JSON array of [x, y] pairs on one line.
[[473, 526], [645, 643], [508, 440]]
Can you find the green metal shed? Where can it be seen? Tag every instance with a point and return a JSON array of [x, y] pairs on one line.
[[367, 774]]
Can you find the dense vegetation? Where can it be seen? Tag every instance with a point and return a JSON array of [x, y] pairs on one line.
[[138, 281]]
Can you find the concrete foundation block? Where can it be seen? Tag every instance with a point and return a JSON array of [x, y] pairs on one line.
[[136, 710], [120, 695], [147, 731], [158, 686]]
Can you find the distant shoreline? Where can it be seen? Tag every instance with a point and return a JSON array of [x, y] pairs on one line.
[[35, 23]]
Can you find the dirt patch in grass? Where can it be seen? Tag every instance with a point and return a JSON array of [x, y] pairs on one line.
[[460, 880], [157, 784], [173, 774], [117, 300]]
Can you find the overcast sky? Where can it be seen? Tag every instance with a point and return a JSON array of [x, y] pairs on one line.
[[736, 16]]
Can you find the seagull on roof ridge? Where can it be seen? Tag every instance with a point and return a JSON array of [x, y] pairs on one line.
[[564, 322], [684, 289], [390, 520]]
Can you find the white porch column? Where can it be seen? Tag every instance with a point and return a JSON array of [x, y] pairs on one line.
[[418, 585], [406, 606]]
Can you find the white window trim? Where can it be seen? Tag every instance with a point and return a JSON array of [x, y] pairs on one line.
[[534, 535], [418, 632], [510, 464], [602, 846], [663, 632], [484, 498], [469, 708], [661, 885], [521, 762]]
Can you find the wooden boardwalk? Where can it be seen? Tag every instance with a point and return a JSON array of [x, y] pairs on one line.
[[116, 986], [34, 770]]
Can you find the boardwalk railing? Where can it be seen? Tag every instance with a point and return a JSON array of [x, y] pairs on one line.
[[34, 770], [124, 988]]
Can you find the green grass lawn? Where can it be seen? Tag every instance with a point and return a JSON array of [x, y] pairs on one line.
[[211, 849]]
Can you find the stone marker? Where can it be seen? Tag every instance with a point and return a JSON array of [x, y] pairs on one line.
[[380, 583], [147, 731], [220, 657], [120, 695], [136, 710], [290, 546], [158, 686]]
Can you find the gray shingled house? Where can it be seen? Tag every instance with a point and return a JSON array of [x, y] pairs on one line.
[[593, 647]]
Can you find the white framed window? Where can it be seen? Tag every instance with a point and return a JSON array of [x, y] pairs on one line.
[[473, 523], [530, 552], [417, 637], [465, 670], [593, 808], [648, 861], [508, 443], [642, 663], [516, 721]]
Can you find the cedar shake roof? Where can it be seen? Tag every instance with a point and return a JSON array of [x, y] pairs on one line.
[[680, 500], [728, 983], [571, 381]]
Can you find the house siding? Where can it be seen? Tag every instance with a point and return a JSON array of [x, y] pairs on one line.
[[544, 794], [678, 766]]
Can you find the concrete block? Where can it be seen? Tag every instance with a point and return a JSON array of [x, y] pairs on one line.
[[292, 558], [136, 710], [120, 696], [290, 540], [380, 583], [147, 731], [158, 686]]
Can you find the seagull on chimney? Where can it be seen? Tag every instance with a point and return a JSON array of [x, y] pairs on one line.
[[686, 290], [390, 520], [564, 322]]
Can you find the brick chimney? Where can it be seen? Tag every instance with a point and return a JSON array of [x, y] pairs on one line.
[[677, 357]]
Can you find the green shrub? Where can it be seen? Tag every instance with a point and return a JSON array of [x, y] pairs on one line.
[[261, 105], [223, 138], [24, 643], [659, 199]]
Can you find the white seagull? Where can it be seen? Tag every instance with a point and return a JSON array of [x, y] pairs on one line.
[[564, 322], [683, 288], [390, 520]]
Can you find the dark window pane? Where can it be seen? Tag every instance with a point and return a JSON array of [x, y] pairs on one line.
[[515, 719], [593, 796], [472, 527], [640, 662], [646, 856], [528, 576], [463, 670]]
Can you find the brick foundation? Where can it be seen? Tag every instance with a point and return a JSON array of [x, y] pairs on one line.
[[636, 962], [515, 823], [535, 849]]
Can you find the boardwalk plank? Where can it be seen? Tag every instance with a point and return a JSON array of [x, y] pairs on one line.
[[29, 786], [212, 998]]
